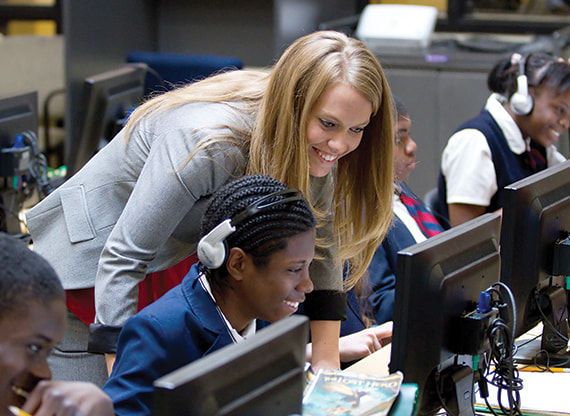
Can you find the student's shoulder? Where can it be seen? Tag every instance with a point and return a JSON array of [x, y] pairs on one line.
[[198, 114], [466, 139], [168, 309]]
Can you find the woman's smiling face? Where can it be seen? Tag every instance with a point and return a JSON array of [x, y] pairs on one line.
[[335, 126]]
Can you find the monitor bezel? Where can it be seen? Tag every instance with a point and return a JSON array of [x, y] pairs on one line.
[[18, 114], [102, 94]]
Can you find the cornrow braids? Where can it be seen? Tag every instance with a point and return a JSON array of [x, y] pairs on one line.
[[263, 232], [25, 277]]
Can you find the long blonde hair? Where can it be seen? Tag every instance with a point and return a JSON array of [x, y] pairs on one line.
[[244, 88], [362, 201], [281, 101]]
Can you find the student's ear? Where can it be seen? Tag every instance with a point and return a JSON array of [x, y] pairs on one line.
[[236, 263]]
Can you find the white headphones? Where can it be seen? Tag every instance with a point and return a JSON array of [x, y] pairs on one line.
[[521, 101], [212, 248]]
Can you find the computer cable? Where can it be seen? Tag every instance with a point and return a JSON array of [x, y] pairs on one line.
[[504, 375], [8, 209], [38, 164], [547, 360], [525, 343], [49, 147], [503, 306]]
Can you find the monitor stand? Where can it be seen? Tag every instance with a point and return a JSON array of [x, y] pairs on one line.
[[464, 381], [543, 344], [553, 302], [452, 389]]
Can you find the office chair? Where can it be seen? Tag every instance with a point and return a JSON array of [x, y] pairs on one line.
[[168, 70]]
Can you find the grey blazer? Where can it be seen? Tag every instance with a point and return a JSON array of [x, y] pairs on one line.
[[136, 207]]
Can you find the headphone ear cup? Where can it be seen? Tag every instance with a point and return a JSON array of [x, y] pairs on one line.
[[521, 101], [521, 104], [211, 256], [211, 248]]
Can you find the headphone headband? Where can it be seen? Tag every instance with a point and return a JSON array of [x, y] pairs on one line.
[[264, 202], [212, 250]]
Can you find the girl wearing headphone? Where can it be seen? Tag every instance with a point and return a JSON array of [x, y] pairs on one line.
[[319, 121], [258, 239], [512, 138]]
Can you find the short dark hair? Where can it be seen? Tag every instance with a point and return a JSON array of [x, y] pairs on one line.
[[401, 109], [541, 69], [25, 277], [262, 233]]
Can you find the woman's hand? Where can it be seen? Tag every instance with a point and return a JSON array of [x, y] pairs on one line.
[[363, 343], [360, 344]]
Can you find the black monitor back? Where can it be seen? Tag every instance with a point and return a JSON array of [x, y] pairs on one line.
[[536, 214], [262, 375], [438, 281]]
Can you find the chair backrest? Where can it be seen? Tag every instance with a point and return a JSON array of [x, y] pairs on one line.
[[168, 70]]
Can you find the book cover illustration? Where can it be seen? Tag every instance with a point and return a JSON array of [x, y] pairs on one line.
[[344, 393]]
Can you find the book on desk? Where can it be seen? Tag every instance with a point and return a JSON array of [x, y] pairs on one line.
[[336, 392]]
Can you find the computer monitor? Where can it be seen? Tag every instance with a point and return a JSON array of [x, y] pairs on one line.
[[438, 334], [18, 131], [536, 220], [107, 100], [262, 375], [18, 113]]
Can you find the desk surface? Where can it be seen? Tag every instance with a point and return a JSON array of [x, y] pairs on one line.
[[543, 393]]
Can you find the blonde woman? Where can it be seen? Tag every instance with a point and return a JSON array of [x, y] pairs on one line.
[[319, 121]]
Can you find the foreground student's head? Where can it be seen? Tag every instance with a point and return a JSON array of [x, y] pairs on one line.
[[32, 318], [265, 271]]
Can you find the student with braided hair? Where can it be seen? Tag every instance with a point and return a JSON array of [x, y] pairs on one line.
[[513, 137], [319, 121], [258, 239]]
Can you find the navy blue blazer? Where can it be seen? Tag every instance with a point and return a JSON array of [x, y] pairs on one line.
[[382, 273], [180, 327], [381, 289]]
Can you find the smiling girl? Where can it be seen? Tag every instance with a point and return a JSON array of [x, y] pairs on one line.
[[258, 271], [512, 138]]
